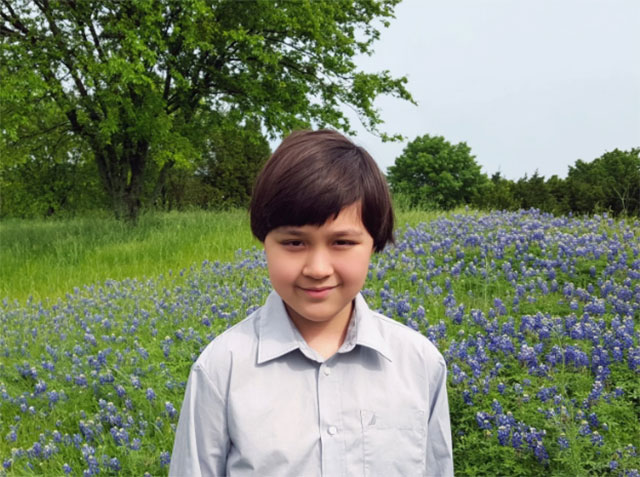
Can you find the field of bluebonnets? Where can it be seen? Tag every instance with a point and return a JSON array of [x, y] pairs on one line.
[[536, 315]]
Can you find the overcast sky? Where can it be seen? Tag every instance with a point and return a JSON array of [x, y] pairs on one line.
[[527, 84]]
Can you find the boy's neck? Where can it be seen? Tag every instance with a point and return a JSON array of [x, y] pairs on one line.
[[325, 337]]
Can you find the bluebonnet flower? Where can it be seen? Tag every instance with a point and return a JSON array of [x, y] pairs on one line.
[[36, 449], [484, 420], [546, 393], [80, 380], [54, 397], [597, 439], [120, 436], [114, 464], [596, 391], [120, 391], [165, 458], [516, 440], [12, 436], [541, 452], [528, 355], [151, 394], [40, 387], [466, 396], [171, 411], [634, 359], [563, 442], [584, 430], [504, 433]]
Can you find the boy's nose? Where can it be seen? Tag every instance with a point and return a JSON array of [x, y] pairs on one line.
[[318, 265]]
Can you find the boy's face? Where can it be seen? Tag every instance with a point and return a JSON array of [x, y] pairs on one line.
[[318, 271]]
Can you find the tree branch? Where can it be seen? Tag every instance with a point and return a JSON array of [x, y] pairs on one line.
[[38, 133], [13, 18]]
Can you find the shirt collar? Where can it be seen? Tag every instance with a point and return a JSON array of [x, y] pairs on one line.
[[367, 329], [278, 336], [276, 333]]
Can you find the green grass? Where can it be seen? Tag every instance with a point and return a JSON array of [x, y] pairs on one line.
[[48, 258]]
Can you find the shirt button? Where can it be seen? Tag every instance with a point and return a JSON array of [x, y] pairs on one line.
[[332, 430], [326, 371]]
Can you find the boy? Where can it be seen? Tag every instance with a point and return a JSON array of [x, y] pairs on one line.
[[315, 383]]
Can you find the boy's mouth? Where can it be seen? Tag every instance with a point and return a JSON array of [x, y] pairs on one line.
[[317, 292]]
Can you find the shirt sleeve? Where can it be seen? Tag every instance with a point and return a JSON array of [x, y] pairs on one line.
[[202, 440], [439, 449]]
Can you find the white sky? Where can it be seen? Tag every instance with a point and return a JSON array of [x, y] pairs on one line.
[[527, 84]]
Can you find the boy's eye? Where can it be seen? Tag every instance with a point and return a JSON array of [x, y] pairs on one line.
[[345, 243], [292, 243]]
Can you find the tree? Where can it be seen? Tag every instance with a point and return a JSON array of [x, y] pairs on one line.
[[136, 80], [557, 187], [46, 174], [224, 174], [433, 172], [49, 183], [620, 171], [609, 183], [498, 194], [533, 192]]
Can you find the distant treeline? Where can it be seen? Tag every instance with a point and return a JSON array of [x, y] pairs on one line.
[[610, 183], [432, 173]]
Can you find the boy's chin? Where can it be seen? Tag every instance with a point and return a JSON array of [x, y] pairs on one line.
[[318, 314]]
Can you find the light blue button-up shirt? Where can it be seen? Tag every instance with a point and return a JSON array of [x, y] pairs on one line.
[[261, 402]]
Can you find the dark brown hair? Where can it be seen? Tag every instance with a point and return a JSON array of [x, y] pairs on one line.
[[311, 177]]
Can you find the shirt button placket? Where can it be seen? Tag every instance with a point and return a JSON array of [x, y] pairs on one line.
[[329, 407]]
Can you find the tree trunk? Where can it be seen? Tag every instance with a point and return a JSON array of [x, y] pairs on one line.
[[160, 183], [122, 177]]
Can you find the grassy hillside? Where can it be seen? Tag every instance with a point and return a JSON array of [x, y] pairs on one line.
[[536, 316]]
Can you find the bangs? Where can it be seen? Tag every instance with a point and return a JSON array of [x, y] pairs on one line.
[[312, 192]]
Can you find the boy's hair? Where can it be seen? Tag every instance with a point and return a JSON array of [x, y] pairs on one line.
[[311, 177]]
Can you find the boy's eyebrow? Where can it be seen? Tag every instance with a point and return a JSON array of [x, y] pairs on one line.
[[338, 233]]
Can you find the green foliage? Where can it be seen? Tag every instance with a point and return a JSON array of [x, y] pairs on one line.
[[232, 161], [609, 183], [431, 172], [40, 188], [532, 192], [45, 173], [136, 81], [223, 175], [535, 192], [498, 195]]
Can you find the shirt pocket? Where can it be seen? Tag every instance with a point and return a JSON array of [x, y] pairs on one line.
[[393, 442]]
